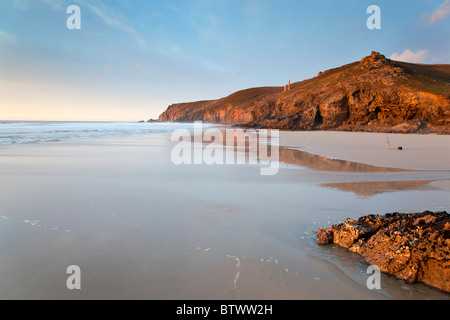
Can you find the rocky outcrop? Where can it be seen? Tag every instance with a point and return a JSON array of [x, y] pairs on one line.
[[412, 247], [374, 94]]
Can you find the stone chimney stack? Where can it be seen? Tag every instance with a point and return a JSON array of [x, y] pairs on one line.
[[287, 87]]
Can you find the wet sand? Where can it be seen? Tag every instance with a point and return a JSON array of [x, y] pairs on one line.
[[141, 227], [420, 152]]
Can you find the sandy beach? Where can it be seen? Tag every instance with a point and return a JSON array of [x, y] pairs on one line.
[[420, 152], [141, 227]]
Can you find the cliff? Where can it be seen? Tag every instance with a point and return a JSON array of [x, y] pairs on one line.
[[374, 94]]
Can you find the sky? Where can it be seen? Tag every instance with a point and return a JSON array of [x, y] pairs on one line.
[[131, 59]]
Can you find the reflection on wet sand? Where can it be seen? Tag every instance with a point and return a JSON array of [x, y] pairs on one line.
[[370, 188], [291, 156], [360, 188], [315, 162]]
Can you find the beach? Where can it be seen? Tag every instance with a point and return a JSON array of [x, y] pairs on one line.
[[141, 227], [420, 151]]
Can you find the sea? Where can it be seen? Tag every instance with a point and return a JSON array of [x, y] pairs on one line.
[[30, 132]]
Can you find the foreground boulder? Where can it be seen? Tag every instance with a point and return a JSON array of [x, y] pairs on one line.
[[413, 247]]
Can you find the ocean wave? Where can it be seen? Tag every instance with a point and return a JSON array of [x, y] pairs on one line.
[[36, 132]]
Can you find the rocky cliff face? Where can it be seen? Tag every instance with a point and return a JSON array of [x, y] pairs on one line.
[[374, 94]]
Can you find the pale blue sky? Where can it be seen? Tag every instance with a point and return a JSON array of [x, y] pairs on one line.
[[132, 58]]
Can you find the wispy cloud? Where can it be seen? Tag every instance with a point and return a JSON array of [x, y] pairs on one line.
[[24, 5], [99, 9], [440, 14], [56, 4], [6, 37], [204, 23], [244, 71], [112, 19], [408, 55], [172, 6], [440, 58], [21, 4], [138, 67]]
